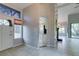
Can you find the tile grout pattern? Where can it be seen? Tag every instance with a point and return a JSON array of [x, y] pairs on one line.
[[69, 47]]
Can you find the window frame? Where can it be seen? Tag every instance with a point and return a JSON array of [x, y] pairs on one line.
[[20, 33], [11, 13], [11, 10], [71, 25]]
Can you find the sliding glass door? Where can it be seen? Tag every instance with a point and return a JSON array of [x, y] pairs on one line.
[[75, 30]]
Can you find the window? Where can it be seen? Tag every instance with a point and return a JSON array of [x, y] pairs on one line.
[[9, 11], [75, 30], [18, 28], [18, 31], [1, 21], [4, 22], [62, 31]]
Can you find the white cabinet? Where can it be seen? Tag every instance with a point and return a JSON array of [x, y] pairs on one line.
[[0, 37], [6, 36]]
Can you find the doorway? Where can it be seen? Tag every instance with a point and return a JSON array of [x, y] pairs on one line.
[[61, 30], [43, 26]]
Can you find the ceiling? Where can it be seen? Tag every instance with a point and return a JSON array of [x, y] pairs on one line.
[[62, 4], [19, 6]]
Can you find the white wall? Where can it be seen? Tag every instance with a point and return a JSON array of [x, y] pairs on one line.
[[63, 12], [32, 16], [31, 25]]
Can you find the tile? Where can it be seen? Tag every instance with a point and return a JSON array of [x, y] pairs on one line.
[[68, 47]]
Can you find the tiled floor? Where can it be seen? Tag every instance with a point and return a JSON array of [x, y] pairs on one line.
[[29, 51], [69, 47]]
